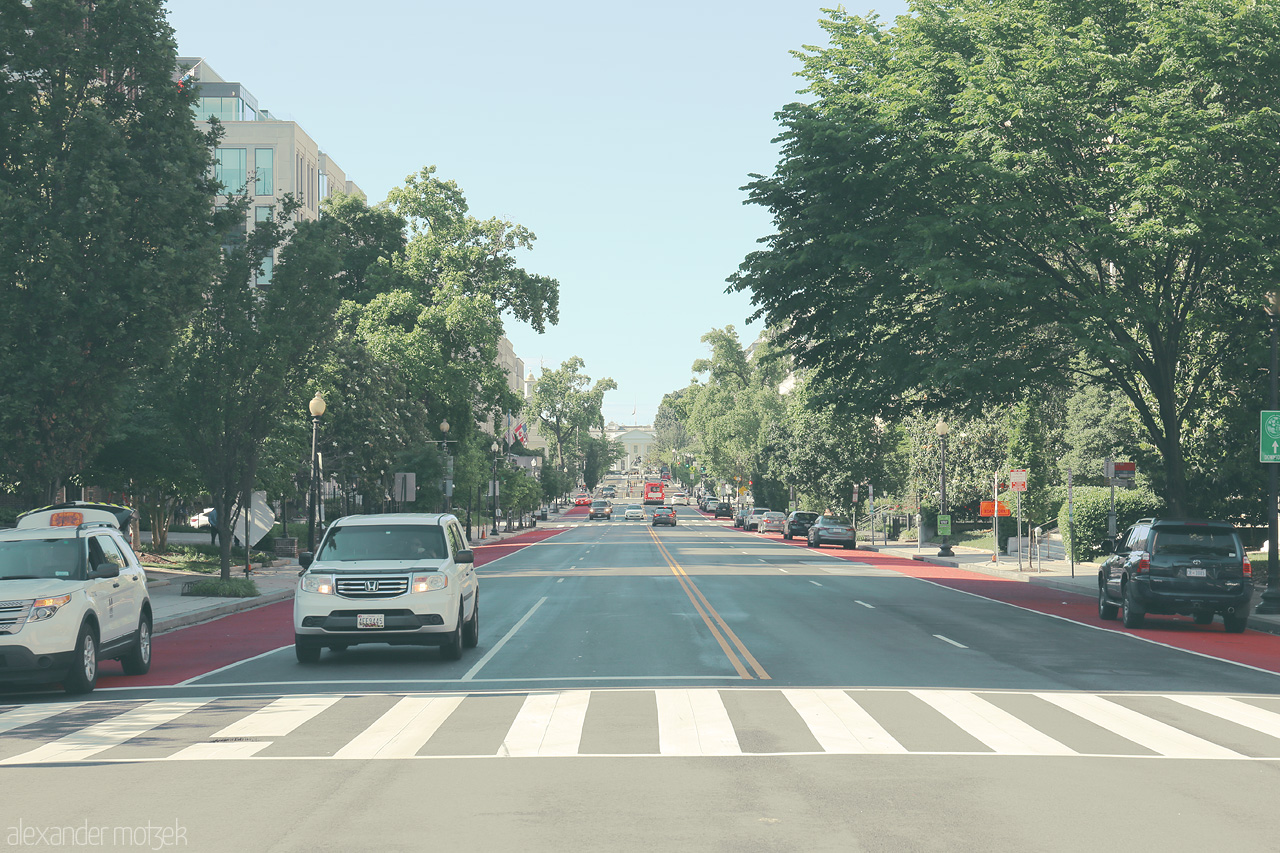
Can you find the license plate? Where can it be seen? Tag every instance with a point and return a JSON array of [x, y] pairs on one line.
[[1195, 573], [371, 620]]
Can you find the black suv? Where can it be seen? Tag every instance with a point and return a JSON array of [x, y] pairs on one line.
[[724, 509], [1177, 565]]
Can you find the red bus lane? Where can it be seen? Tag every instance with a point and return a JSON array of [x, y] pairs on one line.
[[196, 650], [1252, 648]]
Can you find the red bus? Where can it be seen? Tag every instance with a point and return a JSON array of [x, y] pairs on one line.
[[655, 493]]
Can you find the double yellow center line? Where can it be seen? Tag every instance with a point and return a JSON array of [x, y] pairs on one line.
[[719, 629]]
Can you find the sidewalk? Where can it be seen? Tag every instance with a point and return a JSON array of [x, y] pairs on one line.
[[1054, 574], [171, 609]]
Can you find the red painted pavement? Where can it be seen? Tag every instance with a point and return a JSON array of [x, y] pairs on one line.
[[1254, 648]]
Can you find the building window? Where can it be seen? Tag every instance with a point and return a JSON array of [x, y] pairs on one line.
[[264, 272], [230, 169], [262, 213], [324, 186], [264, 171]]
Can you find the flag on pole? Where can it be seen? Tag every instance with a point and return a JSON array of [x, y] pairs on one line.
[[522, 433]]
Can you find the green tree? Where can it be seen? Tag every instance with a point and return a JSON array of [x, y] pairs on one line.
[[990, 188], [243, 367], [567, 404], [108, 235]]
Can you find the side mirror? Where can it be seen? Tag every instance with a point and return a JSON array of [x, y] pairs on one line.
[[106, 570], [305, 559], [464, 556], [1108, 546]]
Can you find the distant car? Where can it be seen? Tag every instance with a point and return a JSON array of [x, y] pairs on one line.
[[679, 499], [772, 522], [582, 500], [752, 520], [740, 517], [600, 509], [710, 504], [831, 530], [724, 510], [798, 524], [634, 513], [664, 515], [1176, 565], [201, 519]]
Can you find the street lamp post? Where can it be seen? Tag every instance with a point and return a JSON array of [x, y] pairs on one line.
[[494, 487], [316, 407], [1270, 602], [942, 429], [448, 480]]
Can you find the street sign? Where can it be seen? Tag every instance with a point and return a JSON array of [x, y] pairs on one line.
[[990, 508], [1018, 480], [1269, 437], [855, 494], [944, 525], [1125, 470]]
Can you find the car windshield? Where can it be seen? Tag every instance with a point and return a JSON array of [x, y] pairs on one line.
[[835, 521], [1194, 541], [42, 558], [352, 543], [633, 506], [774, 516], [599, 503], [806, 516]]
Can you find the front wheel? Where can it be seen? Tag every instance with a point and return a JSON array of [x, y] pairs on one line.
[[452, 648], [306, 650], [1131, 611], [1106, 610], [83, 675], [471, 636], [1235, 623], [138, 660]]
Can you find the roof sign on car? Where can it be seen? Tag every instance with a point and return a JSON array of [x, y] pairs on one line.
[[66, 519]]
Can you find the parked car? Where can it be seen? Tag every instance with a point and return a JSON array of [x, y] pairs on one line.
[[399, 578], [772, 522], [831, 530], [740, 517], [798, 524], [200, 520], [72, 594], [600, 509], [1177, 566], [753, 518], [724, 510], [710, 505], [664, 515], [634, 513]]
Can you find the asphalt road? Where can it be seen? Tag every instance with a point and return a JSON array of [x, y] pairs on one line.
[[695, 688]]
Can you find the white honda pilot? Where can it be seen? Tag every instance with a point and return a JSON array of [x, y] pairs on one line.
[[72, 594], [403, 579]]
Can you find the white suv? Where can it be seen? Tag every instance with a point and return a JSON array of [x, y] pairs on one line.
[[403, 579], [71, 594]]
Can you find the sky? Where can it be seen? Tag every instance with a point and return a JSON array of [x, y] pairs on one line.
[[621, 136]]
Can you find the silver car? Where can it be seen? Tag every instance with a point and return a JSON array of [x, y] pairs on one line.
[[772, 522]]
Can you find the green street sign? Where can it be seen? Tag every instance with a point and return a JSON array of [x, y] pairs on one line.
[[1269, 437], [944, 525]]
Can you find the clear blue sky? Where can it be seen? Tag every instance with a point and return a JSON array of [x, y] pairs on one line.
[[619, 135]]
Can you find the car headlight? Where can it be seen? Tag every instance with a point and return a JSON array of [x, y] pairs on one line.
[[319, 584], [426, 583], [44, 608]]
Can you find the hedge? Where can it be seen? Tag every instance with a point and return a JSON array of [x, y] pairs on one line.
[[1091, 505]]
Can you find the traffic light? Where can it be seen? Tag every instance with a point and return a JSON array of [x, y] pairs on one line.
[[750, 483]]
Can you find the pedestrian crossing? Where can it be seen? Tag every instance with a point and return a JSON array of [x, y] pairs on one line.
[[667, 722], [680, 521]]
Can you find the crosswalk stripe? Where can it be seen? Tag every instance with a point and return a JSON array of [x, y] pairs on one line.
[[694, 722], [279, 718], [1139, 728], [548, 724], [1235, 711], [403, 730], [220, 751], [113, 732], [840, 724], [20, 717], [995, 727]]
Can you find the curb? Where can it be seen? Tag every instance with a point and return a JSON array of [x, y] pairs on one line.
[[218, 611]]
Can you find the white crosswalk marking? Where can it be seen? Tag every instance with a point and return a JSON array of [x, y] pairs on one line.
[[403, 730], [1139, 728], [113, 732], [694, 722], [684, 722], [995, 727], [1242, 713], [279, 718], [548, 724], [840, 724]]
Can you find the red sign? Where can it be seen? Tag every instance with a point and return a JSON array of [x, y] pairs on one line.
[[990, 508], [1126, 470], [1018, 479]]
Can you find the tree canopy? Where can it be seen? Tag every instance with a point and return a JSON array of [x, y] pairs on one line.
[[996, 194]]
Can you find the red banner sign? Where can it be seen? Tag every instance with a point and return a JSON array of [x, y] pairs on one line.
[[991, 508]]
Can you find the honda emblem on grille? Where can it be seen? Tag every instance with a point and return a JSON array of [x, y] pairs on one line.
[[1195, 562], [370, 586]]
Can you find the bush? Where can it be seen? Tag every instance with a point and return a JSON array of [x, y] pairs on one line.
[[1091, 506]]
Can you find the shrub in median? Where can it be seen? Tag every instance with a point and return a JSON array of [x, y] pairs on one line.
[[217, 587], [1091, 506]]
